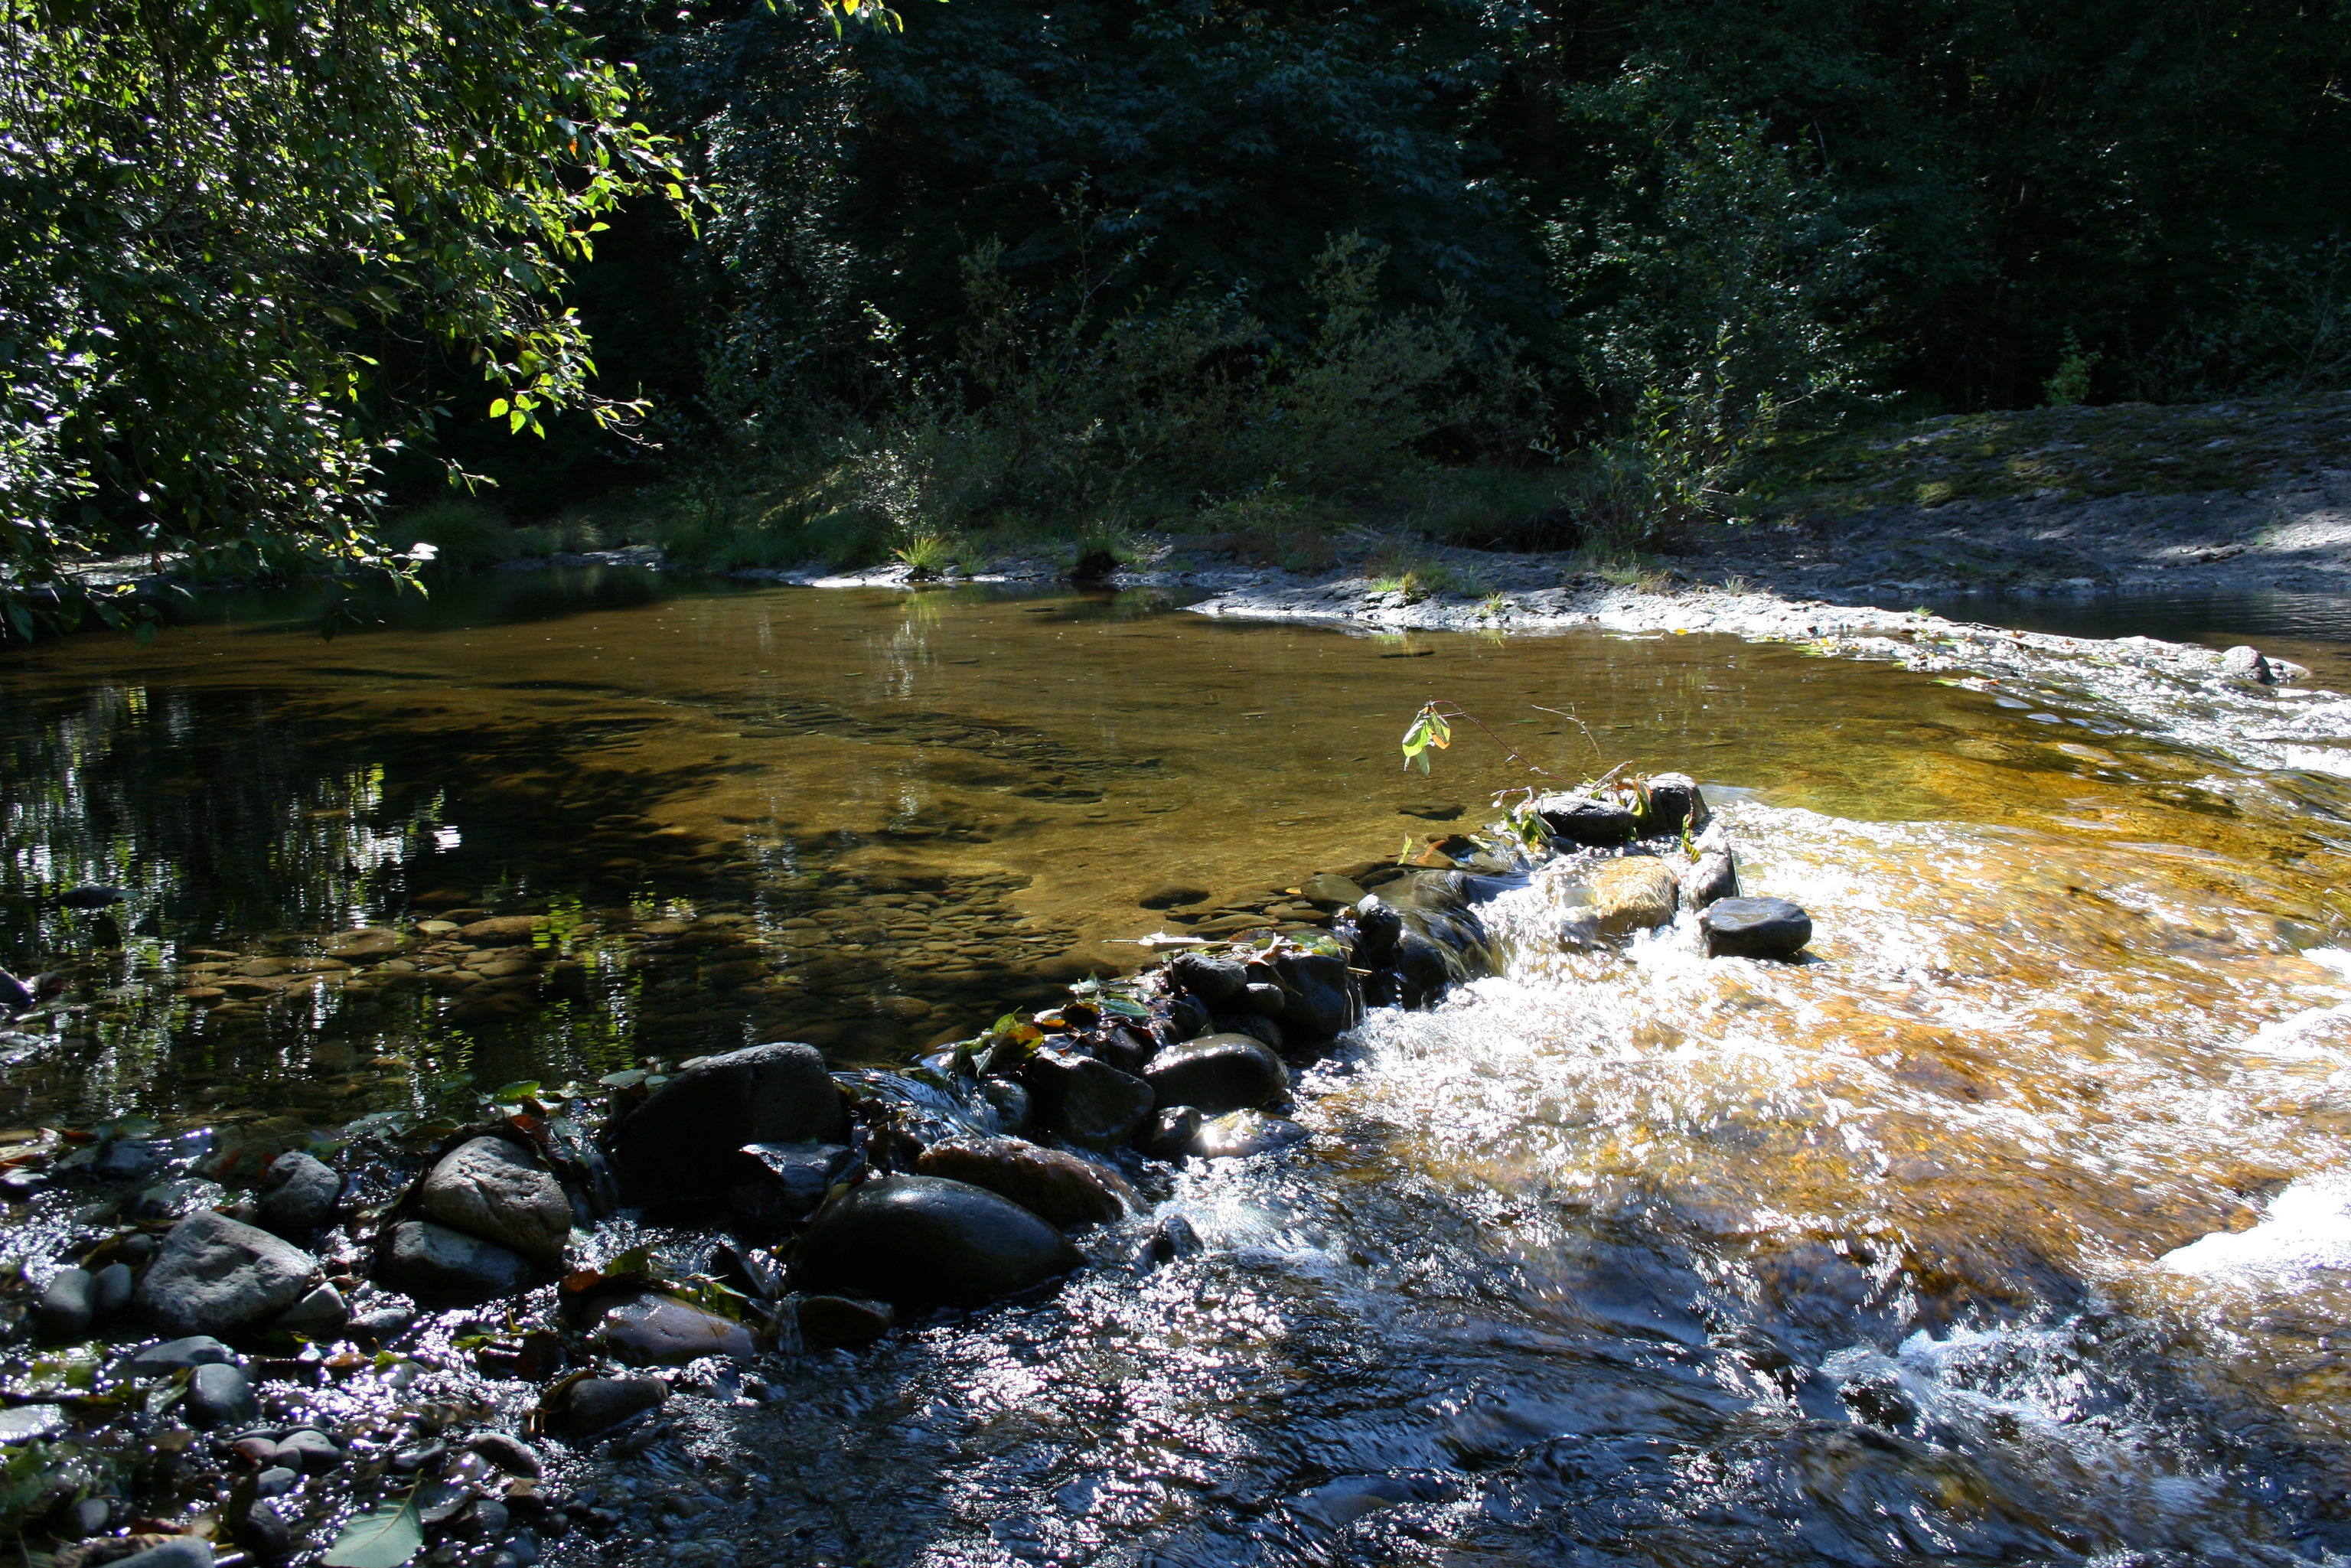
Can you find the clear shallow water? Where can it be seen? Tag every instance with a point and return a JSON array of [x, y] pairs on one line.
[[2007, 1230]]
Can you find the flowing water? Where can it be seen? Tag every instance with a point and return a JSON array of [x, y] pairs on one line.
[[2013, 1227]]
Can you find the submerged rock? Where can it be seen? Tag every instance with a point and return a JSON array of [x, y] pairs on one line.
[[842, 1322], [682, 1143], [1052, 1184], [1715, 877], [1637, 893], [1755, 928], [498, 1191], [1171, 1133], [1329, 888], [298, 1195], [92, 897], [1090, 1102], [215, 1276], [1217, 1073], [661, 1331], [918, 1240], [1245, 1133], [593, 1405], [436, 1264], [1583, 820], [14, 995]]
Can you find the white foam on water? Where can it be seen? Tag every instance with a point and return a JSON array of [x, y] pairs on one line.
[[2318, 759], [2306, 1230]]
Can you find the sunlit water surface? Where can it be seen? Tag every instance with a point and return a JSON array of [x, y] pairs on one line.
[[2011, 1226]]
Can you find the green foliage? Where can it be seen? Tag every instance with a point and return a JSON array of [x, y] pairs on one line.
[[458, 534], [2070, 384], [226, 235], [1429, 730], [2280, 326]]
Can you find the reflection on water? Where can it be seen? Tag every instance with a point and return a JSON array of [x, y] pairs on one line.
[[2008, 1229]]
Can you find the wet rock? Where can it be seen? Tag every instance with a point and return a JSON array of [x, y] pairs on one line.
[[1378, 925], [1052, 1184], [1323, 1001], [436, 1264], [1421, 963], [1583, 819], [1243, 1133], [111, 1290], [2244, 662], [14, 995], [1171, 1133], [214, 1276], [1013, 1107], [842, 1322], [498, 1191], [310, 1451], [508, 1453], [1256, 1026], [1215, 981], [682, 1142], [1172, 1239], [1638, 894], [276, 1481], [123, 1159], [1187, 1016], [1330, 890], [781, 1185], [366, 942], [661, 1331], [177, 1354], [24, 1423], [1262, 998], [594, 1405], [266, 1533], [1173, 897], [322, 1311], [66, 1309], [219, 1394], [185, 1552], [92, 897], [1217, 1073], [1676, 805], [378, 1325], [1755, 928], [919, 1240], [1715, 877], [298, 1195], [1090, 1102]]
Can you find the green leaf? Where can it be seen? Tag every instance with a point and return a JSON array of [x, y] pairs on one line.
[[498, 408], [522, 1088], [384, 1536]]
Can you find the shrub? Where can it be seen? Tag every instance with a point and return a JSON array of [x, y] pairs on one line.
[[465, 533]]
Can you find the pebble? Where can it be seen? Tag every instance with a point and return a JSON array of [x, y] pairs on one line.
[[276, 1481], [219, 1394], [310, 1451]]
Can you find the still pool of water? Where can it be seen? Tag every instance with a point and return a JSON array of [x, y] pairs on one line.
[[2009, 1229]]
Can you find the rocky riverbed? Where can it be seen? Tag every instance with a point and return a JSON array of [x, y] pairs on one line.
[[397, 1339]]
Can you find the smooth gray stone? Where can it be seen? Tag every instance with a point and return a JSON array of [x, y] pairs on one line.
[[312, 1451], [435, 1264], [298, 1195], [276, 1481], [187, 1552], [24, 1422], [682, 1142], [266, 1532], [217, 1394], [125, 1159], [215, 1276], [322, 1311], [1217, 1072], [923, 1242], [491, 1188], [507, 1452], [68, 1306], [111, 1290], [196, 1350], [1755, 928]]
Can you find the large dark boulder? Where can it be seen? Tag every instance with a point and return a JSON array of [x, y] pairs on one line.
[[1755, 928], [1378, 925], [923, 1242], [1214, 980], [1322, 998], [1053, 1184], [1090, 1102], [682, 1143], [1675, 804], [1218, 1072], [1583, 820]]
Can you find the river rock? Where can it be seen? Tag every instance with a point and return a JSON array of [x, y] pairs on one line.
[[267, 1533], [14, 995], [1583, 820], [111, 1290], [1715, 877], [1755, 928], [66, 1308], [177, 1354], [1243, 1133], [682, 1143], [1324, 999], [596, 1404], [366, 942], [1171, 1133], [321, 1312], [1262, 998], [779, 1185], [1422, 964], [219, 1394], [499, 1191], [1638, 894], [1378, 925], [1013, 1107], [661, 1331], [1090, 1102], [1330, 889], [842, 1322], [1256, 1026], [1676, 805], [1173, 896], [214, 1276], [2244, 662], [918, 1240], [1187, 1016], [309, 1450], [298, 1195], [1214, 980], [92, 897], [1217, 1073], [181, 1552], [436, 1264], [1052, 1184], [508, 1453]]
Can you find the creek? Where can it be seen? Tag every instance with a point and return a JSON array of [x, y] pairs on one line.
[[2012, 1226]]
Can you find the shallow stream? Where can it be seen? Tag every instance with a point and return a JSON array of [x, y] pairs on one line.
[[2014, 1226]]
